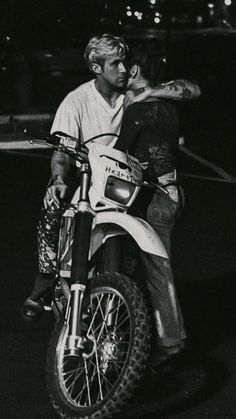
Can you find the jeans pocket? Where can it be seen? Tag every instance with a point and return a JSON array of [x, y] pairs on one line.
[[162, 209], [173, 193]]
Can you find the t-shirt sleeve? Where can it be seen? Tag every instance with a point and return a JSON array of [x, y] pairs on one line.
[[130, 129], [67, 119]]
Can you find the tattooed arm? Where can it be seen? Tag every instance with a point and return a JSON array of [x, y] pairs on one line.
[[60, 166], [176, 90]]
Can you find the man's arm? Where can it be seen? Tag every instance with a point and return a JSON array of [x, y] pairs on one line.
[[178, 90], [60, 166], [66, 120], [181, 90]]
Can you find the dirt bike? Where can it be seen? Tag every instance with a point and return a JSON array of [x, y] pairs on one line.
[[101, 342]]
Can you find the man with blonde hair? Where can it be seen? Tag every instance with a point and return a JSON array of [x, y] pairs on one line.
[[95, 107], [99, 48]]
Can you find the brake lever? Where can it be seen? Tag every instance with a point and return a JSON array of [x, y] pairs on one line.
[[42, 142], [155, 186]]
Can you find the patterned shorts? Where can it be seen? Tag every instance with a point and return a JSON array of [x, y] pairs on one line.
[[47, 238]]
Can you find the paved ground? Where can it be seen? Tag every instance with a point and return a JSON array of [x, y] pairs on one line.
[[203, 385]]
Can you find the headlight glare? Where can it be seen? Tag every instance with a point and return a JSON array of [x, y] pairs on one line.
[[119, 190]]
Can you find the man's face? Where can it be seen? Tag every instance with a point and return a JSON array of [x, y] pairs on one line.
[[114, 71]]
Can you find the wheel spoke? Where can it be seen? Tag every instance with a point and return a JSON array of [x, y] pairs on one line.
[[97, 370], [77, 375], [87, 382], [103, 323], [78, 398], [98, 374], [101, 373], [94, 314], [121, 322]]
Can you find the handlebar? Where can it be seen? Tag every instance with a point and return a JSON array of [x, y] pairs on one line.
[[77, 149], [72, 146], [65, 143]]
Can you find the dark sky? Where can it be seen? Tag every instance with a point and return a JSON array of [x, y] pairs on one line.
[[42, 23]]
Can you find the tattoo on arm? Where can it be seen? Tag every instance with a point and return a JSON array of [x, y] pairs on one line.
[[60, 165], [180, 89]]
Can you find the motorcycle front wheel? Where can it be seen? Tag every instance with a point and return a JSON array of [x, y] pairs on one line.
[[98, 382]]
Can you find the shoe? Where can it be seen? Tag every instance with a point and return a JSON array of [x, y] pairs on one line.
[[33, 309], [40, 299], [164, 354]]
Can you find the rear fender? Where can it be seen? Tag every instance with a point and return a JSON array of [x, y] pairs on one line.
[[110, 223]]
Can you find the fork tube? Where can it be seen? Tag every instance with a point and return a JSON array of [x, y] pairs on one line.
[[80, 252], [82, 231]]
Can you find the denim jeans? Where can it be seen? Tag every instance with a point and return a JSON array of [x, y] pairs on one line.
[[161, 215]]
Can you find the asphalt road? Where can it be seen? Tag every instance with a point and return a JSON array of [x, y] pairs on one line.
[[203, 383]]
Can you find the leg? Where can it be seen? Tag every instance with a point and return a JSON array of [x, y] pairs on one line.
[[48, 231], [161, 216], [47, 238], [167, 313]]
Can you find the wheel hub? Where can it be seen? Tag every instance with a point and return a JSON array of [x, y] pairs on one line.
[[107, 352]]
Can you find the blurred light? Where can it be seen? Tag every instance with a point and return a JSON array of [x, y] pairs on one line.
[[211, 12], [228, 2], [129, 13], [3, 68], [139, 15], [128, 7], [157, 13], [152, 1], [210, 5], [199, 19], [120, 23], [8, 38], [157, 20]]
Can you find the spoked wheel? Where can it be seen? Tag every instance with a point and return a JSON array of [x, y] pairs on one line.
[[116, 324]]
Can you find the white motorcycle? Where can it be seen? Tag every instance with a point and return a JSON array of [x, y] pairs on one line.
[[99, 348]]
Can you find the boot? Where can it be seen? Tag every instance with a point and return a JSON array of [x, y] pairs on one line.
[[40, 298]]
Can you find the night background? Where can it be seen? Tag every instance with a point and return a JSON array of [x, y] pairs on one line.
[[41, 60], [42, 44]]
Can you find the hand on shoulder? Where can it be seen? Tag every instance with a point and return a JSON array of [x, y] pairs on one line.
[[129, 98], [140, 95]]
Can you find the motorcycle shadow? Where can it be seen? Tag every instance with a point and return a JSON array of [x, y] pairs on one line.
[[205, 368], [177, 388]]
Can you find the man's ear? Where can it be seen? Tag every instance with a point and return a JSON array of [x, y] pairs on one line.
[[134, 71], [96, 68]]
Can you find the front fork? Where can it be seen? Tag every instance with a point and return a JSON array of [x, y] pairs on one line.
[[79, 269]]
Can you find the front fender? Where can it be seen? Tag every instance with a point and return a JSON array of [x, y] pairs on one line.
[[110, 223]]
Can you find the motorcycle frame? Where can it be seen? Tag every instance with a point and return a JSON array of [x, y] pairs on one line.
[[91, 231], [92, 227]]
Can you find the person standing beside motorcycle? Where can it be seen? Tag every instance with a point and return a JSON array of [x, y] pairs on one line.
[[94, 108], [150, 132]]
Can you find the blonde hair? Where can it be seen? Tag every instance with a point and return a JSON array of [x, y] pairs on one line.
[[100, 47]]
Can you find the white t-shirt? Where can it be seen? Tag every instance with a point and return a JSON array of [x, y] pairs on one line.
[[84, 113]]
